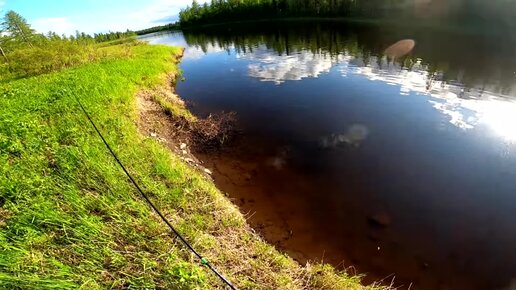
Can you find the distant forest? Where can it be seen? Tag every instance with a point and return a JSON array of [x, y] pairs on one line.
[[470, 12], [166, 27]]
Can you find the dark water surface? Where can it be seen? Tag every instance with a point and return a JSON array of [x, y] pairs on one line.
[[403, 170]]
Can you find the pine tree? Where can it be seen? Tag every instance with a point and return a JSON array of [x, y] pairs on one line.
[[17, 28]]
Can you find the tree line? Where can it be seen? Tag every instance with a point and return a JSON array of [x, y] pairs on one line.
[[166, 27], [231, 10], [16, 32], [460, 12]]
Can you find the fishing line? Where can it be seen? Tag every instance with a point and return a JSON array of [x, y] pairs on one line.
[[203, 260]]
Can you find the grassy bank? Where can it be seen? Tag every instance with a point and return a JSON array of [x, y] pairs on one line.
[[69, 217]]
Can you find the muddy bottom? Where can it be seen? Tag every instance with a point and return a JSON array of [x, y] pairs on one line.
[[300, 205], [318, 212], [302, 214]]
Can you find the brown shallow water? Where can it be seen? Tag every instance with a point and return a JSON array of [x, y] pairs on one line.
[[403, 170], [318, 225]]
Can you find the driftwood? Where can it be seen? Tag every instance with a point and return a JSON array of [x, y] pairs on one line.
[[3, 54]]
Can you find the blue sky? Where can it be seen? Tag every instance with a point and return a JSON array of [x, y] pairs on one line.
[[66, 16]]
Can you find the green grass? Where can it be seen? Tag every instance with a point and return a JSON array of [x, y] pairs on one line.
[[70, 218], [57, 55]]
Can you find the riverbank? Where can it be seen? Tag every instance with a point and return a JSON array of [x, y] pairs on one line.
[[71, 219]]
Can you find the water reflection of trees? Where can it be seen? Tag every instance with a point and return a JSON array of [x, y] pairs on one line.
[[473, 61]]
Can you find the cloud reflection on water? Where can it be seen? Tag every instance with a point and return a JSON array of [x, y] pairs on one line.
[[176, 39], [465, 107], [268, 66]]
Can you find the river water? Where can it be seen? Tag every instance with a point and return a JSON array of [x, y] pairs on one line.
[[403, 170]]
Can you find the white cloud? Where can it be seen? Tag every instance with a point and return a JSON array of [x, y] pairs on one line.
[[155, 12], [60, 25]]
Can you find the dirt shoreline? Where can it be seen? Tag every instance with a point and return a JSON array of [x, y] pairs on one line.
[[229, 175], [157, 122], [236, 173]]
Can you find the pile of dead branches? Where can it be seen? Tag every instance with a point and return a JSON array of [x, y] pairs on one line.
[[214, 131]]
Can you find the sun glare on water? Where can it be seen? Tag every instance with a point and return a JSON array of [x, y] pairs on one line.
[[501, 117]]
